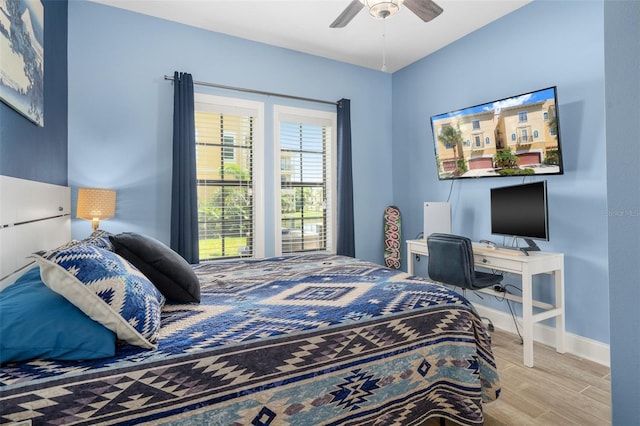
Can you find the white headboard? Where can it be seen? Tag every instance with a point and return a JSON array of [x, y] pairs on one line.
[[33, 216]]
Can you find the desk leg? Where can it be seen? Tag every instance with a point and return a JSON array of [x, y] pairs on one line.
[[409, 262], [559, 287], [527, 318]]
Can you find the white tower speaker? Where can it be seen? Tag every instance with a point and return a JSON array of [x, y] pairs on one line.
[[437, 218]]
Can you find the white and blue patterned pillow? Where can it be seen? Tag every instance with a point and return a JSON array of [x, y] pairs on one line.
[[107, 288], [99, 238]]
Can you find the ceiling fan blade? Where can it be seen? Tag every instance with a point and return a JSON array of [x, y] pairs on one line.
[[348, 14], [425, 9]]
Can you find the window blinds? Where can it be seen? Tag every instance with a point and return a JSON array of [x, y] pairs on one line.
[[303, 176], [224, 157]]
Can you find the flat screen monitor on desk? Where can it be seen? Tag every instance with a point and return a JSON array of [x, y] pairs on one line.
[[521, 211]]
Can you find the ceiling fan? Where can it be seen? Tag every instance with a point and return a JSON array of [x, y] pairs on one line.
[[382, 9]]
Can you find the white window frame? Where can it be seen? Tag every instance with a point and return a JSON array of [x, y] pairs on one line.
[[316, 117], [225, 105]]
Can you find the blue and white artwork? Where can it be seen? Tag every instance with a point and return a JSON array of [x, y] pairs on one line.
[[22, 57]]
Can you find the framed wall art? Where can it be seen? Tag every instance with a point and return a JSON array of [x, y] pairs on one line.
[[22, 57]]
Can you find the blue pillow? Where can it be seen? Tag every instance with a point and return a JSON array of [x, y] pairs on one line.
[[36, 322]]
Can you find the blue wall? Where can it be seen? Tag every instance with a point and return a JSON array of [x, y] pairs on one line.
[[543, 44], [120, 111], [622, 84], [40, 153]]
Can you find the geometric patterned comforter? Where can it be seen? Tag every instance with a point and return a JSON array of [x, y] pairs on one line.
[[295, 340]]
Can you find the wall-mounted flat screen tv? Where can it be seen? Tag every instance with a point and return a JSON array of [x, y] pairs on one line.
[[515, 136]]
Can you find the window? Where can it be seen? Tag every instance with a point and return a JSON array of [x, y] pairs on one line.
[[478, 141], [305, 146], [522, 116], [476, 124], [229, 156]]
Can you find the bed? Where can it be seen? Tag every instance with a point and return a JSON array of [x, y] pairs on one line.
[[301, 340]]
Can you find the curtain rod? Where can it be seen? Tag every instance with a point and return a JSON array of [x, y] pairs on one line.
[[260, 92]]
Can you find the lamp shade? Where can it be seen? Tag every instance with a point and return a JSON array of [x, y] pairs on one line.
[[96, 204]]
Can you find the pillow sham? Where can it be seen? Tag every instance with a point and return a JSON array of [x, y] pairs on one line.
[[99, 238], [107, 288], [165, 268], [36, 322]]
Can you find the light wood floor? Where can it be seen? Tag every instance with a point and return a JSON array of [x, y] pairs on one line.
[[561, 389]]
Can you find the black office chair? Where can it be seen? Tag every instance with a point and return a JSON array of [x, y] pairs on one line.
[[451, 262]]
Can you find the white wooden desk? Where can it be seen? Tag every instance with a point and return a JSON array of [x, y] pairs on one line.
[[526, 267]]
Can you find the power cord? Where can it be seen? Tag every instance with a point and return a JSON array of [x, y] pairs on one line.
[[504, 289], [513, 315], [450, 189], [490, 325]]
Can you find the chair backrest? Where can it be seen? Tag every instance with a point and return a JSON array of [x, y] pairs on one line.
[[451, 260]]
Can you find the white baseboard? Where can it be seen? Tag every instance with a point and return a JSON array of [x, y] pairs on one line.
[[577, 345]]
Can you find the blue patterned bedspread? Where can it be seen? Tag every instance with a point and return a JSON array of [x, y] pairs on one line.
[[296, 340]]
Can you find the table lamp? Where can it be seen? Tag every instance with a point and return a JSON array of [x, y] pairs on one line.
[[96, 204]]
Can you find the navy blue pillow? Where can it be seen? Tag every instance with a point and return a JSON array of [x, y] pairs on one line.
[[36, 322]]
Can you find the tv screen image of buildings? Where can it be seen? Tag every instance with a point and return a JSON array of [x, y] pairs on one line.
[[515, 136]]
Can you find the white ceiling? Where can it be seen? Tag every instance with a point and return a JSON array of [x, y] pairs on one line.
[[303, 25]]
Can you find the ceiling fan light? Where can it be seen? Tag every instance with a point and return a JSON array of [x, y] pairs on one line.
[[383, 9]]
